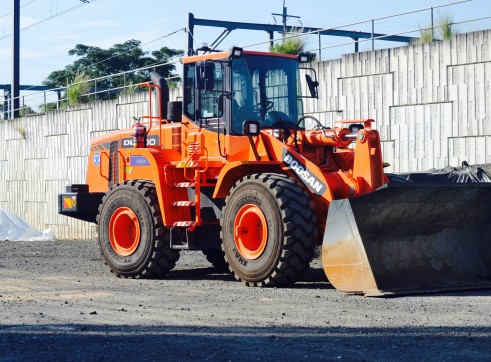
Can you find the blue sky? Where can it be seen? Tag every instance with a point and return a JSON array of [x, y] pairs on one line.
[[102, 23]]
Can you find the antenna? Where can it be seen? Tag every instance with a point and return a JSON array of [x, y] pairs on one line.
[[284, 17]]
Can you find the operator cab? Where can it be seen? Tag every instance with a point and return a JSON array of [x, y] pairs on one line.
[[224, 90]]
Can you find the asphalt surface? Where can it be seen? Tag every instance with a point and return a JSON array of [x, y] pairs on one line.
[[58, 301]]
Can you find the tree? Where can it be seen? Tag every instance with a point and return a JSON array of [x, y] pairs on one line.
[[95, 62], [48, 107], [293, 44]]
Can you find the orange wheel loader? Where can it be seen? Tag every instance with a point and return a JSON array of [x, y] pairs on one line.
[[237, 170]]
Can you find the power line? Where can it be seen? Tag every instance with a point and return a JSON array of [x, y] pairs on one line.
[[170, 60], [360, 22], [129, 50], [50, 17], [7, 14]]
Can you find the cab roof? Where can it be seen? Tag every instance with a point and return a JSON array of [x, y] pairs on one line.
[[226, 54]]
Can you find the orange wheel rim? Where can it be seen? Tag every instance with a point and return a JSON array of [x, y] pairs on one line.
[[250, 231], [124, 231]]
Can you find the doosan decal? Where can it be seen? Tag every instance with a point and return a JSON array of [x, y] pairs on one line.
[[151, 141], [308, 178]]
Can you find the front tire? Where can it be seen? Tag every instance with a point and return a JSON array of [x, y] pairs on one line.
[[268, 230], [132, 238]]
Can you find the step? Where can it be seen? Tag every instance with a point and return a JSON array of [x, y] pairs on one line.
[[184, 203], [190, 164], [184, 224], [184, 184]]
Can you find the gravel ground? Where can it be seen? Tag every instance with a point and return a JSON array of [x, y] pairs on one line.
[[58, 301]]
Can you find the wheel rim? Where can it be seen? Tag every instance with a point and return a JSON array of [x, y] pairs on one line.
[[124, 231], [250, 231]]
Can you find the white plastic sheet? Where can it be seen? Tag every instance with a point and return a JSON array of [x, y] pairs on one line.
[[14, 228]]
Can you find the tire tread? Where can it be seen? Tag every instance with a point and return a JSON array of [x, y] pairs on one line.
[[299, 229], [162, 258]]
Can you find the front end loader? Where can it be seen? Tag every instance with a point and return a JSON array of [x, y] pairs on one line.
[[238, 171]]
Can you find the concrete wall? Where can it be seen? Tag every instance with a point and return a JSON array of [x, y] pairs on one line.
[[431, 102]]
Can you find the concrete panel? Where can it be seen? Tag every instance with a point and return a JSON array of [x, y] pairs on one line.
[[469, 90], [368, 97], [388, 154], [328, 119], [474, 150], [420, 133]]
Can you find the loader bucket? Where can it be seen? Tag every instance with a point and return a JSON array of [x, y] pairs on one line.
[[404, 239]]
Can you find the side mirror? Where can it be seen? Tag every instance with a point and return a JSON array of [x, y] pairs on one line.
[[312, 84], [251, 128], [205, 76]]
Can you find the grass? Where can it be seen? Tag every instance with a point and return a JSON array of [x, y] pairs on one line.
[[22, 131], [425, 35], [446, 27]]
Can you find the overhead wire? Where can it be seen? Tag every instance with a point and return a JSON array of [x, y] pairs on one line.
[[10, 12], [49, 17], [360, 22], [133, 48], [172, 60], [195, 42]]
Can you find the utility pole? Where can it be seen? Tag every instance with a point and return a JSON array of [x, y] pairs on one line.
[[284, 18], [14, 94]]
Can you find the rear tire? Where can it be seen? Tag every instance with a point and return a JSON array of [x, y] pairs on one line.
[[216, 257], [268, 230], [132, 238]]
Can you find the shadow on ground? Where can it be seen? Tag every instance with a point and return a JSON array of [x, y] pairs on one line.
[[314, 278], [93, 342]]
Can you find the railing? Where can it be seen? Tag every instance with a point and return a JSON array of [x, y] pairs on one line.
[[52, 97], [372, 28]]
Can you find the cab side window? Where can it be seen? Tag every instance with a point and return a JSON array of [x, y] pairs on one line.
[[208, 104], [189, 91]]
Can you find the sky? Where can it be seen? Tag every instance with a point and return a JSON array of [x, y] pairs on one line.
[[56, 26]]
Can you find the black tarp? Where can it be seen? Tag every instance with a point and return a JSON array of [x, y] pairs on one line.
[[464, 174]]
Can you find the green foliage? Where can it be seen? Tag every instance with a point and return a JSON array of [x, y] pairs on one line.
[[446, 27], [132, 89], [48, 107], [425, 36], [96, 62], [77, 91], [25, 111], [290, 46], [22, 131], [293, 44]]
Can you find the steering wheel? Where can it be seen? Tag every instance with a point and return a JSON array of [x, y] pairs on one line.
[[321, 126], [267, 106]]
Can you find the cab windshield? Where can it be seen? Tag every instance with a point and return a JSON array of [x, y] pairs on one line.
[[266, 89]]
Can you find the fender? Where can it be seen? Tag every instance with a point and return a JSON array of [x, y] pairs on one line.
[[234, 171], [299, 167]]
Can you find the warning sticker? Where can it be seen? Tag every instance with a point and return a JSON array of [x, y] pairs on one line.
[[138, 160]]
